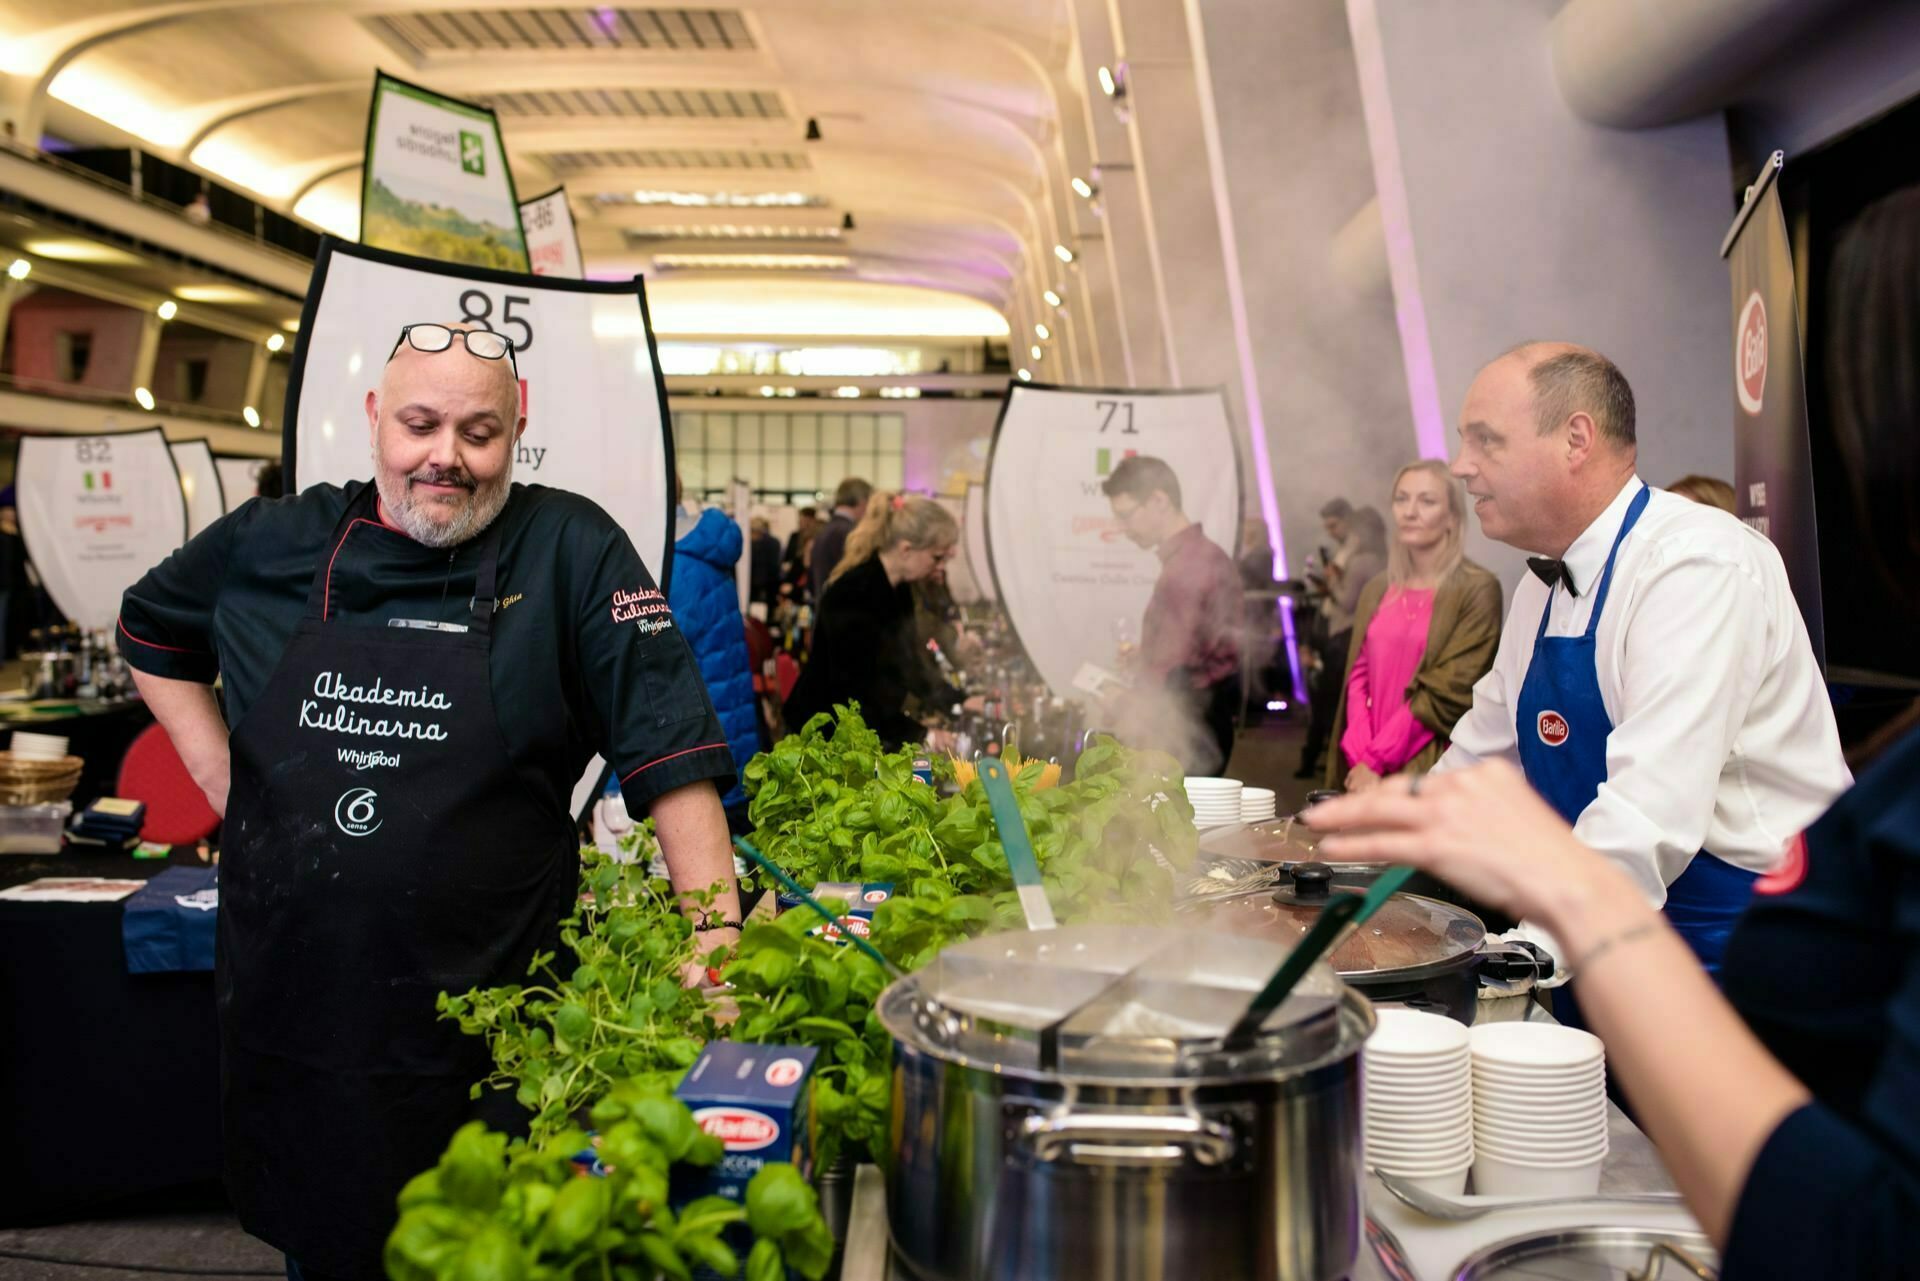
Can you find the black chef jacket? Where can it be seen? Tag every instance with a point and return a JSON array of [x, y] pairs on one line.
[[585, 655]]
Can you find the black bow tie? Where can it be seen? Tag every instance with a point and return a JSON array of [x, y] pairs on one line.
[[1552, 573]]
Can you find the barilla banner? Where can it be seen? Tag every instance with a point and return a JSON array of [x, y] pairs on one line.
[[973, 537], [199, 483], [1772, 459], [1073, 584], [553, 243], [96, 513], [590, 385], [435, 183]]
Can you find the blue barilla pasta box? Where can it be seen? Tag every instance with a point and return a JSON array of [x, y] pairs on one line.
[[861, 901], [754, 1099]]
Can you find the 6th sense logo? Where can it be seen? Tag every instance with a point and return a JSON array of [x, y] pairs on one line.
[[354, 813]]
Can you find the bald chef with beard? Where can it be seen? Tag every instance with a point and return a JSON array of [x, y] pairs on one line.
[[416, 673]]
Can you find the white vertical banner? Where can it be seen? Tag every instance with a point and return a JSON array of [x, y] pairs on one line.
[[973, 537], [239, 478], [553, 243], [1070, 579], [590, 386], [199, 483], [740, 504], [435, 182], [959, 571], [96, 513]]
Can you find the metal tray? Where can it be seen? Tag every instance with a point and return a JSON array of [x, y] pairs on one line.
[[1592, 1254]]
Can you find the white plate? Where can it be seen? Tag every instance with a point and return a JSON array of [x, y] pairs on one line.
[[1535, 1045], [1417, 1034]]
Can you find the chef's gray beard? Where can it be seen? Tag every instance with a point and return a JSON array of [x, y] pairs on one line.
[[483, 504]]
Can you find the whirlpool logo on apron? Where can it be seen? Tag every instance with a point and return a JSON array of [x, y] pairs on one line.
[[1552, 728], [354, 812]]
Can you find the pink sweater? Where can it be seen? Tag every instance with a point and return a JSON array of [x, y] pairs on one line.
[[1382, 733]]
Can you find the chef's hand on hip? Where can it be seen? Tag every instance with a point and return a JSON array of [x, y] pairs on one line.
[[1482, 830], [216, 790]]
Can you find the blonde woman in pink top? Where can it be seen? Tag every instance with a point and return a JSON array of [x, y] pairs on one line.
[[1423, 633]]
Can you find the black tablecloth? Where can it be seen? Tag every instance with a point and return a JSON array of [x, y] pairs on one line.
[[109, 1081]]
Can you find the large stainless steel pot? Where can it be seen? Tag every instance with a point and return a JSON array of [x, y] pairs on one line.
[[1063, 1108]]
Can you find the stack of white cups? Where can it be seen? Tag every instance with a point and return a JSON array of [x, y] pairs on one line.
[[1539, 1110], [1216, 801], [1256, 804], [1418, 1089], [38, 747]]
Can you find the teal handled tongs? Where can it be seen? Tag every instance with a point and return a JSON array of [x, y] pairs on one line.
[[1343, 912], [1013, 839]]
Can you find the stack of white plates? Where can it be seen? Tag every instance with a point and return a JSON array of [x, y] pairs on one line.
[[39, 747], [1539, 1110], [1256, 804], [1215, 800], [1418, 1087]]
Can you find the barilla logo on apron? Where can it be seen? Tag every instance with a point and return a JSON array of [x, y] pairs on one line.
[[739, 1129], [354, 812], [1552, 728]]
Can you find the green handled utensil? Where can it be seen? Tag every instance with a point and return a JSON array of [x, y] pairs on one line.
[[792, 887], [1013, 839], [1342, 913]]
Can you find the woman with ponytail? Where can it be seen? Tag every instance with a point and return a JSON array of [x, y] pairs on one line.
[[864, 646]]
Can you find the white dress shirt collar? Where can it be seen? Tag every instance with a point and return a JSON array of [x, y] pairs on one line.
[[1586, 559]]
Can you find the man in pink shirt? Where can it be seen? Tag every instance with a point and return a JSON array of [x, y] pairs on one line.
[[1190, 636]]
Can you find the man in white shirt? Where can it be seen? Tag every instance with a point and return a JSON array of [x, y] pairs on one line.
[[1654, 679]]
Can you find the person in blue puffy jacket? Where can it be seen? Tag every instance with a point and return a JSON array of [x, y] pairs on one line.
[[706, 605]]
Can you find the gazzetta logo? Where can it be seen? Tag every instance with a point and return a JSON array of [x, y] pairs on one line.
[[354, 813], [1552, 728], [1750, 354], [739, 1129]]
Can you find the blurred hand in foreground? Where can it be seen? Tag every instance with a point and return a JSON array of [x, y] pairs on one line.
[[1482, 830]]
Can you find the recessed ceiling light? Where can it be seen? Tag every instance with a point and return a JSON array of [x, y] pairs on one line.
[[217, 293], [276, 341], [1106, 81], [1036, 353], [82, 251], [751, 262], [1083, 188], [1063, 253], [168, 309], [18, 269], [1053, 299], [1043, 332], [1023, 375], [143, 398], [252, 416]]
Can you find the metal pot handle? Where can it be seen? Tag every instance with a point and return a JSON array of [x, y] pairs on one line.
[[1140, 1138], [1513, 967]]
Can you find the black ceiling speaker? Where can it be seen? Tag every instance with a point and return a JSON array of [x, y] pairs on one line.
[[813, 129], [846, 223]]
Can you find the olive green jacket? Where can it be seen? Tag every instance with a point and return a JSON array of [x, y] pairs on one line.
[[1461, 640]]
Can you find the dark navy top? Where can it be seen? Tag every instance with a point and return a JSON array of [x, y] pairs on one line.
[[1825, 967]]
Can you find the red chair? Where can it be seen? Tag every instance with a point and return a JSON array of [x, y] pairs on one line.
[[177, 811]]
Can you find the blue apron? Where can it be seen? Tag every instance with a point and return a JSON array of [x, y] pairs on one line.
[[1561, 725]]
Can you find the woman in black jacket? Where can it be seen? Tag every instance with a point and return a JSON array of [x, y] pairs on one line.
[[865, 646]]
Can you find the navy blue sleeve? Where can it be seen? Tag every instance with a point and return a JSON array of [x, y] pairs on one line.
[[1825, 1200], [166, 619]]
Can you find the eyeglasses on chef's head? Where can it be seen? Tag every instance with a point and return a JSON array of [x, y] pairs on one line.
[[431, 338]]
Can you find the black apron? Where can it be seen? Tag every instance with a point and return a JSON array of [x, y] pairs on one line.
[[379, 848]]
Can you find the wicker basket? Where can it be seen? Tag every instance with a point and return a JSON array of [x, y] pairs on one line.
[[25, 780]]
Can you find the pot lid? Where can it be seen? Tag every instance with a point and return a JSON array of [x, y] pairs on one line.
[[1116, 1002], [1408, 932]]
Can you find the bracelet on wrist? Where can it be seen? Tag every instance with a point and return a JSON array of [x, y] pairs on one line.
[[717, 925], [1610, 942]]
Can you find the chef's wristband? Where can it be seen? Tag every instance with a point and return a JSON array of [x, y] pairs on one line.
[[1610, 942], [710, 926]]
